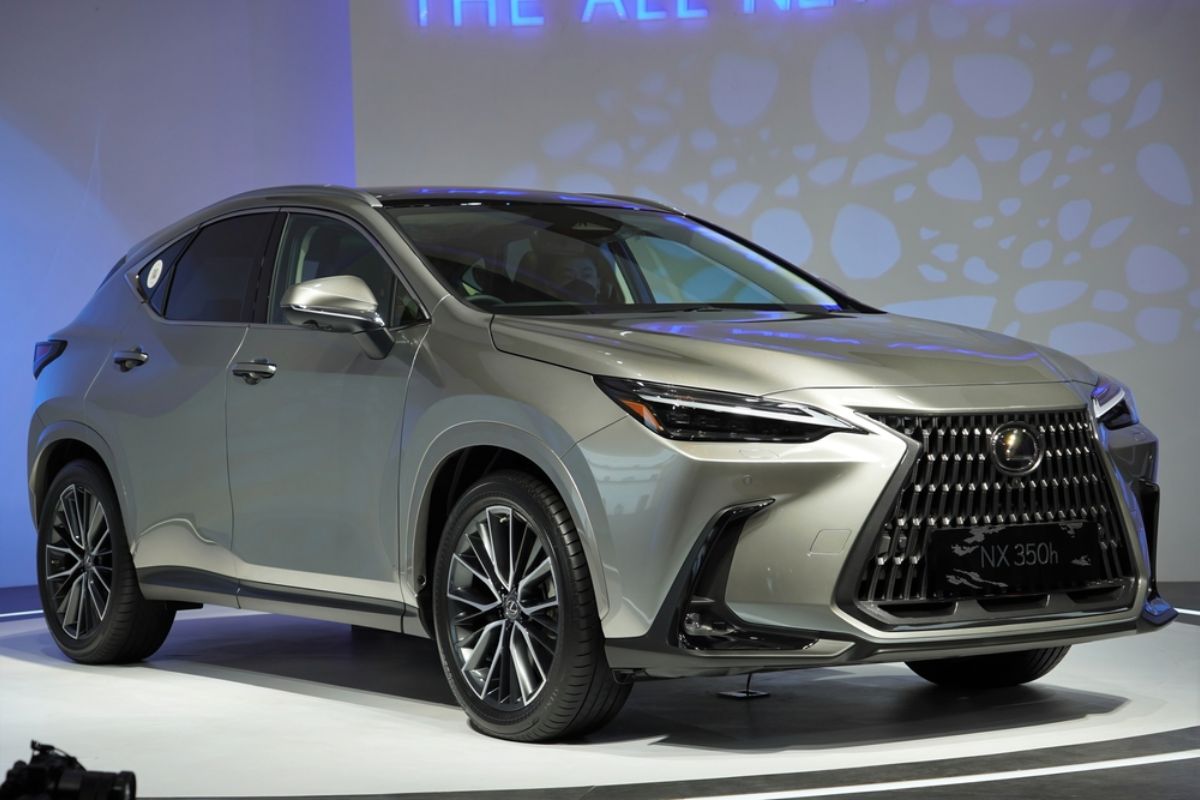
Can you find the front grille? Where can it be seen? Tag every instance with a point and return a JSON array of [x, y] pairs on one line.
[[955, 484]]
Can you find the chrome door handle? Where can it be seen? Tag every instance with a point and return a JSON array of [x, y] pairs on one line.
[[255, 371], [128, 359]]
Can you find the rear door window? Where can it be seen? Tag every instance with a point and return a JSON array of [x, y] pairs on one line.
[[215, 278]]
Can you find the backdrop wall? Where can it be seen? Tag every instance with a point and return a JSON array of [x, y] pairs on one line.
[[1028, 167], [118, 118], [1025, 167]]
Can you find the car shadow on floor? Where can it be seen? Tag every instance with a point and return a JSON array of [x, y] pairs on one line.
[[807, 709]]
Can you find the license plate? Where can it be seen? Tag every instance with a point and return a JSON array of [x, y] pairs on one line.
[[1006, 560]]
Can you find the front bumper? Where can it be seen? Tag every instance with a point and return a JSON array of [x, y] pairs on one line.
[[735, 558]]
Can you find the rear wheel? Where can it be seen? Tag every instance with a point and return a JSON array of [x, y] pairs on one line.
[[991, 671], [90, 596], [515, 615]]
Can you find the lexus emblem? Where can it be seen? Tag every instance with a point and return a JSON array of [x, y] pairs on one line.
[[1017, 449]]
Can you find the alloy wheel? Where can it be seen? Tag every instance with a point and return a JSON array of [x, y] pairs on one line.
[[79, 561], [504, 608]]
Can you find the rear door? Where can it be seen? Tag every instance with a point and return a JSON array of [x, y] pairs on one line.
[[161, 401], [314, 447]]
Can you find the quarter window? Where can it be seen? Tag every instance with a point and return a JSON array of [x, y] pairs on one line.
[[215, 277], [154, 277], [321, 247]]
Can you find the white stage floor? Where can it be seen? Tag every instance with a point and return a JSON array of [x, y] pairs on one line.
[[253, 704]]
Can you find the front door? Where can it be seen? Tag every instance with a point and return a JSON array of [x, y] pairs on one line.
[[314, 448]]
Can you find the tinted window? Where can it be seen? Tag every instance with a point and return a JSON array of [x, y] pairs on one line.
[[531, 258], [322, 247], [154, 277], [214, 278]]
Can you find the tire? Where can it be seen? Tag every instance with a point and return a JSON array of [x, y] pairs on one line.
[[87, 624], [994, 671], [552, 680]]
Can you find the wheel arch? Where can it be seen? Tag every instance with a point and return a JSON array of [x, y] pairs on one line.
[[59, 444], [459, 458]]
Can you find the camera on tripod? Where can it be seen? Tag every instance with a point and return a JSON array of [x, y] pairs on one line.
[[51, 774]]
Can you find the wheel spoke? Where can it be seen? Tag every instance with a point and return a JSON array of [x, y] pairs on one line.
[[488, 557], [474, 662], [94, 518], [64, 573], [103, 583], [533, 610], [497, 540], [482, 576], [524, 675], [75, 520], [80, 605], [66, 551], [96, 603], [549, 626], [99, 541], [534, 575], [511, 547], [481, 607]]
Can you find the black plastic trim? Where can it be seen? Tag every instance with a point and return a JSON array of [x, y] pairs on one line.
[[312, 597], [185, 583], [188, 580], [700, 584]]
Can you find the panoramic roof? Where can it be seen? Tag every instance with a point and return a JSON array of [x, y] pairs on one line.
[[415, 195]]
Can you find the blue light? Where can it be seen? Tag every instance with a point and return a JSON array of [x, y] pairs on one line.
[[491, 11], [523, 17], [644, 12], [690, 9], [618, 7], [750, 6]]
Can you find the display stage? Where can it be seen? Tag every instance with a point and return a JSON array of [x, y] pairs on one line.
[[240, 705]]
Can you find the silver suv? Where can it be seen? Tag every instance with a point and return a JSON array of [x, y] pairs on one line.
[[579, 441]]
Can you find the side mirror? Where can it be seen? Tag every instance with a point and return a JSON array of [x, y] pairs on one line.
[[341, 304]]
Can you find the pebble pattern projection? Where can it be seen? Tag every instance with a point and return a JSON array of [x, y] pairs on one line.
[[965, 167]]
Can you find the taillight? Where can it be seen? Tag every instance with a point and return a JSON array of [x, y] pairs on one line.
[[45, 352]]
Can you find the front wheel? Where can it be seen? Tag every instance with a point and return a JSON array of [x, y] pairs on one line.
[[994, 671], [515, 615]]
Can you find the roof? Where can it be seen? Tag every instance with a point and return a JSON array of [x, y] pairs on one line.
[[416, 195], [409, 195]]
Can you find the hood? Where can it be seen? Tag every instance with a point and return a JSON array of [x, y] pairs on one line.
[[764, 352]]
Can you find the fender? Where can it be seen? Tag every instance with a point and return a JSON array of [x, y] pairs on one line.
[[64, 430], [415, 512]]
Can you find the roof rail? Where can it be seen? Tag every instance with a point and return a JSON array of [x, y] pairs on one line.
[[627, 198], [309, 190]]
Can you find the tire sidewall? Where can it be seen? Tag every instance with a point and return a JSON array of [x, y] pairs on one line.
[[503, 490], [84, 474]]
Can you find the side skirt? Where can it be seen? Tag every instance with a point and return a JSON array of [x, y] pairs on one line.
[[198, 586]]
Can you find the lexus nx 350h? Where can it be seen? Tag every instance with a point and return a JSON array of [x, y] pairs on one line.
[[578, 441]]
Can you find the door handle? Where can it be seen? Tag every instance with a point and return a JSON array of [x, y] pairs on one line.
[[128, 359], [252, 372]]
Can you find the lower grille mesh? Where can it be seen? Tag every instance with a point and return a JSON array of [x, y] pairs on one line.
[[955, 484]]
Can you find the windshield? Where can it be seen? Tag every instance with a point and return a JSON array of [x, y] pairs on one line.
[[543, 258]]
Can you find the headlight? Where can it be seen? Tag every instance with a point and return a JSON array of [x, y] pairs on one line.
[[1113, 405], [678, 412]]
